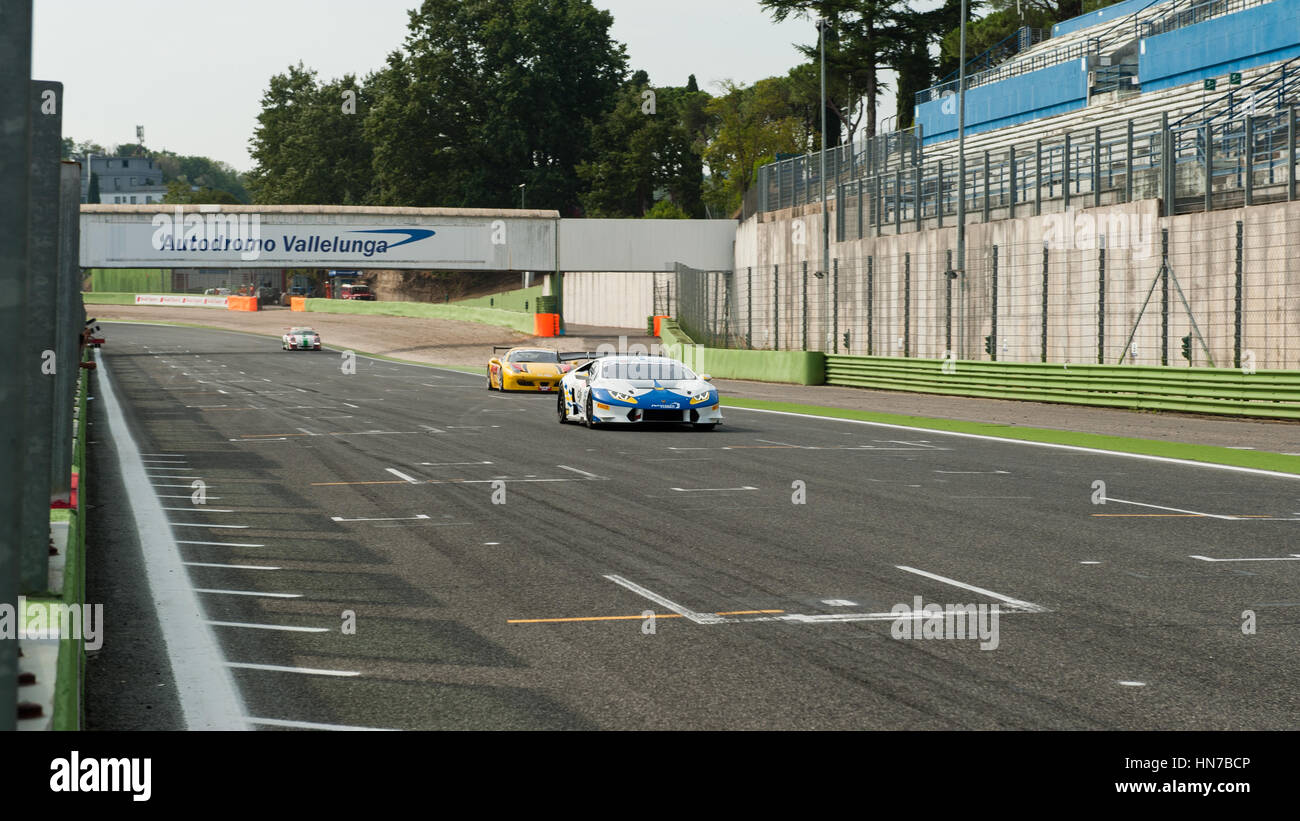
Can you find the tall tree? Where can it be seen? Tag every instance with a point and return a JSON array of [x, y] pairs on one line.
[[860, 37], [488, 95], [647, 146], [751, 126], [309, 145]]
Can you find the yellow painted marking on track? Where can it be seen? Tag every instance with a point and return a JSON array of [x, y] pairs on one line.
[[629, 618]]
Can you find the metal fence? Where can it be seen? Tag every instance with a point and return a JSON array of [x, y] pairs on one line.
[[1190, 12], [1243, 143], [797, 181], [1125, 295]]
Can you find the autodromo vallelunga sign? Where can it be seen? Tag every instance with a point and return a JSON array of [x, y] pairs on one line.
[[317, 236]]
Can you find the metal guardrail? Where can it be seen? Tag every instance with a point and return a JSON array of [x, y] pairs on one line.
[[1018, 41], [1012, 69], [1119, 162], [1279, 83], [1190, 12], [1267, 394]]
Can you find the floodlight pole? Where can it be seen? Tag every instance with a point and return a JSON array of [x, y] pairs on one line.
[[961, 187], [826, 212]]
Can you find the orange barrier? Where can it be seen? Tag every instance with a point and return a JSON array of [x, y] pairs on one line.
[[546, 324], [297, 303], [658, 319], [241, 303]]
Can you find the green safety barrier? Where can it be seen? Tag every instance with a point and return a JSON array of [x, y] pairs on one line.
[[797, 367], [520, 299], [1267, 393], [114, 298]]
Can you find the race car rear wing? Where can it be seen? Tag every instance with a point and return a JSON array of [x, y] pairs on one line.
[[569, 356]]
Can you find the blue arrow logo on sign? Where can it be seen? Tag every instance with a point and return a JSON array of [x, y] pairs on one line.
[[412, 234]]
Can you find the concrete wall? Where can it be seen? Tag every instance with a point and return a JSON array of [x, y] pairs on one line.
[[1118, 244], [615, 300]]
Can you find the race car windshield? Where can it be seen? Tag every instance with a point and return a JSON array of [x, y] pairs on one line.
[[637, 371], [534, 356]]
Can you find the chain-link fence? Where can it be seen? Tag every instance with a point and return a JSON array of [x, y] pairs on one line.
[[1231, 288]]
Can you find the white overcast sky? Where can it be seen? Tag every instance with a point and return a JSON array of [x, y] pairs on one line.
[[193, 73]]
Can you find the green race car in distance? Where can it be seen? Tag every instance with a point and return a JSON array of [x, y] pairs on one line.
[[301, 339]]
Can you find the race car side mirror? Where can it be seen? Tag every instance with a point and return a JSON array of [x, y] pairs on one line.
[[707, 377]]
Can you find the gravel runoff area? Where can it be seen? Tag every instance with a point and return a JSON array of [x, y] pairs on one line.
[[468, 344]]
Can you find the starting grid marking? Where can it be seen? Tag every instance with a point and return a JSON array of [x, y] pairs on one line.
[[1007, 605], [908, 445], [1178, 512]]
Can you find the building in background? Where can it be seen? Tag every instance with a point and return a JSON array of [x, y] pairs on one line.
[[123, 180]]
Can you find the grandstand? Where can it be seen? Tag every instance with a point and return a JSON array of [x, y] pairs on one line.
[[1115, 106]]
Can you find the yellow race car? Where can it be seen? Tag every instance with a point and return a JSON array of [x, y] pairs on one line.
[[525, 369]]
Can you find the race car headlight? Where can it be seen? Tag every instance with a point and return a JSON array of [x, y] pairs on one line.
[[623, 397], [700, 399]]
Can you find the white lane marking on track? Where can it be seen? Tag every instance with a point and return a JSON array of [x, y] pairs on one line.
[[445, 464], [709, 489], [209, 698], [400, 475], [582, 472], [698, 618], [839, 603], [1174, 509], [220, 544], [1292, 558], [288, 628], [432, 429], [1028, 606], [986, 472], [199, 509], [276, 668], [208, 524], [1077, 448], [309, 433], [388, 519], [181, 496], [268, 439], [217, 591], [312, 725], [233, 566]]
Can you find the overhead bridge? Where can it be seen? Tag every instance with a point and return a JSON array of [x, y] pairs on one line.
[[341, 236]]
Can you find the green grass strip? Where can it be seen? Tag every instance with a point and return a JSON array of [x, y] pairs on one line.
[[110, 298], [1211, 454]]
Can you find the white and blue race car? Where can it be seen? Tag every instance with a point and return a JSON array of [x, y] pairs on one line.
[[633, 389]]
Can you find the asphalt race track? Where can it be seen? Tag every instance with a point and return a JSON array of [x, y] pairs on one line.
[[376, 493]]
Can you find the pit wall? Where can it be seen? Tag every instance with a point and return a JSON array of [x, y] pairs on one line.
[[1203, 257]]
